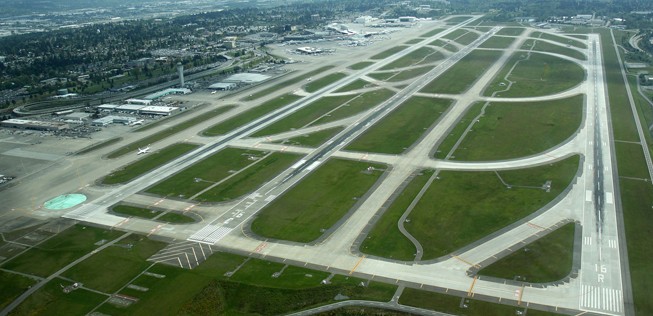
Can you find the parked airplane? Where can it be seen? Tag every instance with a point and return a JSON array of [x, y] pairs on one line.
[[139, 122], [143, 150]]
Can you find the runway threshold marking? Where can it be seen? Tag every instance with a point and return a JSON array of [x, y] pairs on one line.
[[356, 266], [466, 262], [470, 292]]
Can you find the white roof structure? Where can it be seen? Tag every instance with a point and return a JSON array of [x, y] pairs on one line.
[[139, 101], [222, 86], [130, 107], [158, 110], [108, 106], [247, 78]]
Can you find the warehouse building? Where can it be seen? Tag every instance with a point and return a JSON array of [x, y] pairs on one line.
[[34, 125], [158, 110]]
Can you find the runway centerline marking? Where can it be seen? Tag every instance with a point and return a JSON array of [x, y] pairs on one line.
[[356, 265]]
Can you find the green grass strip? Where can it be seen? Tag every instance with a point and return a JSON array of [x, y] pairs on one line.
[[209, 171], [464, 73], [454, 135], [511, 31], [314, 139], [323, 82], [100, 145], [251, 178], [536, 75], [149, 162], [357, 105], [361, 65], [498, 42], [144, 142], [400, 129], [286, 83], [560, 39], [385, 239], [452, 304], [471, 205], [389, 52], [250, 115], [305, 115], [548, 259], [514, 129], [552, 48], [303, 213]]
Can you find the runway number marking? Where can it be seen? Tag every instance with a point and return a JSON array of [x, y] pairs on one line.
[[602, 269]]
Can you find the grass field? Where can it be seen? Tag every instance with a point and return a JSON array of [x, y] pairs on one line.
[[305, 115], [51, 300], [467, 38], [210, 170], [472, 205], [361, 65], [420, 56], [389, 52], [250, 178], [454, 135], [463, 74], [144, 142], [317, 202], [413, 41], [57, 252], [109, 269], [634, 165], [511, 31], [314, 139], [400, 75], [147, 163], [385, 239], [514, 129], [250, 115], [252, 290], [562, 40], [557, 49], [499, 42], [357, 105], [445, 45], [455, 34], [286, 83], [99, 145], [548, 259], [400, 129], [451, 304], [535, 75], [432, 32], [172, 218], [12, 286], [320, 83], [458, 19], [356, 85]]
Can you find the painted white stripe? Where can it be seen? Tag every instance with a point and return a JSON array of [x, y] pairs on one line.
[[609, 199], [588, 195], [313, 165], [297, 164]]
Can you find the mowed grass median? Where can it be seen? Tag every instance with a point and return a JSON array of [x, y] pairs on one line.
[[144, 142], [511, 130], [464, 73], [305, 115], [60, 250], [250, 115], [314, 205], [147, 163], [286, 83], [385, 239], [462, 207], [404, 126], [548, 259], [222, 171], [535, 74]]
